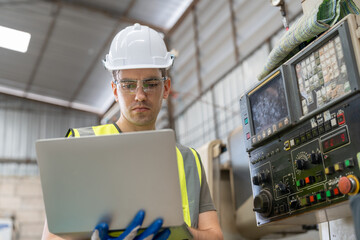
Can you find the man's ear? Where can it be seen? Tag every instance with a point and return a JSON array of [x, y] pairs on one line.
[[167, 87], [114, 89]]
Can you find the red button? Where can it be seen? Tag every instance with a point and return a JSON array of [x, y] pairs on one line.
[[336, 191], [312, 199], [344, 185], [248, 136], [307, 180]]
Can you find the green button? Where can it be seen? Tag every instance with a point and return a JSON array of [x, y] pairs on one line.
[[318, 196], [303, 201], [328, 193], [347, 163], [298, 183], [246, 121]]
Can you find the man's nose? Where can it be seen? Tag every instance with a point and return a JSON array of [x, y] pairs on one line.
[[140, 95]]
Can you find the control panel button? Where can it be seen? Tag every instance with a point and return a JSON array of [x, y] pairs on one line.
[[269, 131], [329, 193], [327, 126], [246, 121], [294, 204], [321, 129], [333, 122], [320, 196], [303, 201], [287, 145], [336, 191], [349, 185], [341, 118], [302, 138], [309, 179], [339, 167], [314, 132], [308, 135], [329, 170], [247, 136], [312, 199], [345, 185], [349, 163], [292, 142], [300, 183]]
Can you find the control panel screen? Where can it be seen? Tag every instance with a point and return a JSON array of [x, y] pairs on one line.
[[268, 106], [335, 141], [322, 76]]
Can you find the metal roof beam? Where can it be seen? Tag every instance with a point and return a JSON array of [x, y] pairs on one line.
[[43, 49], [94, 62], [119, 15]]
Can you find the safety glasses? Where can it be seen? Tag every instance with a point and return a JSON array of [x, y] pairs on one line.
[[130, 86]]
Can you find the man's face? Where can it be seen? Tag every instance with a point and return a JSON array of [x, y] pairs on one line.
[[139, 107]]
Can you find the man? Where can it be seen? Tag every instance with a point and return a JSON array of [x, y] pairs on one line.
[[138, 60]]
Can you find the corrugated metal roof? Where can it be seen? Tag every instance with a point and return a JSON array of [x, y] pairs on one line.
[[68, 40]]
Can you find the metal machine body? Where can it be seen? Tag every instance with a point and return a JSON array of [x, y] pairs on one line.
[[302, 132]]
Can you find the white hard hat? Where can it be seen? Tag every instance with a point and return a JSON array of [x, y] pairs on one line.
[[138, 46]]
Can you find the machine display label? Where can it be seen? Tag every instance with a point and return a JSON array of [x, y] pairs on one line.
[[335, 140]]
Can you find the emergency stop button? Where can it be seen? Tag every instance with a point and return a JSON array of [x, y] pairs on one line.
[[349, 185]]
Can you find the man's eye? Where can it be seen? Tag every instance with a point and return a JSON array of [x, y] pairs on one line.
[[151, 84], [129, 85]]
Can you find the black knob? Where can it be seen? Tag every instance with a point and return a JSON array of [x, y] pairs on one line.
[[256, 180], [282, 187], [264, 177], [300, 164], [316, 158], [313, 158], [261, 203]]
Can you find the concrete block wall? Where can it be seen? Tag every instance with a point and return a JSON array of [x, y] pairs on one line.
[[21, 199]]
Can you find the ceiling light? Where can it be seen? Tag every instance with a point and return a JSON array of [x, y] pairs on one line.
[[14, 39]]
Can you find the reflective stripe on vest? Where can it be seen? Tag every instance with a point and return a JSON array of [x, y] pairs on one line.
[[188, 164]]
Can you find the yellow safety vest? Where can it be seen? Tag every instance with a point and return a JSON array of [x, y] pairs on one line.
[[189, 166]]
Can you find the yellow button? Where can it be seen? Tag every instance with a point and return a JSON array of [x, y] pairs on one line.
[[327, 172], [337, 167]]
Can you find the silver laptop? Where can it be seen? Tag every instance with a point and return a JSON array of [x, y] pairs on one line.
[[86, 179]]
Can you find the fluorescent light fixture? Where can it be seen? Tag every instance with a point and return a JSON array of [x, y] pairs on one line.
[[14, 39]]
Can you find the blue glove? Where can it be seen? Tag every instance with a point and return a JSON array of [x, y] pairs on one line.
[[152, 232]]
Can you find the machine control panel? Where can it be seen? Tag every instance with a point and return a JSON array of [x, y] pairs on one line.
[[302, 127]]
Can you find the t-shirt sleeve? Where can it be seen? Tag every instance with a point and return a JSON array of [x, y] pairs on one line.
[[206, 202]]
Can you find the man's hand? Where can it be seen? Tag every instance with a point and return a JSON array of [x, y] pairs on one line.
[[152, 232]]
